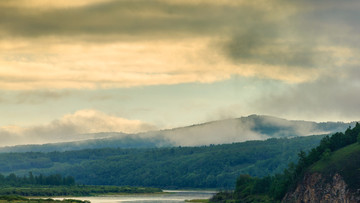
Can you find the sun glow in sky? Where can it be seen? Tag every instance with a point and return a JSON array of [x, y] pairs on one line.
[[137, 65]]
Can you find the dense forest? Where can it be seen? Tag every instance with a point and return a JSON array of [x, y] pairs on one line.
[[215, 166], [57, 179], [273, 188]]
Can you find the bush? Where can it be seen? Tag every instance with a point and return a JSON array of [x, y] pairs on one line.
[[12, 197]]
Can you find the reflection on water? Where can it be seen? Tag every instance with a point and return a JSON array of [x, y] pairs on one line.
[[170, 196]]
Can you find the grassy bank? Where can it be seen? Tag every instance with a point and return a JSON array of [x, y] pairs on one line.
[[19, 199], [39, 191], [345, 161]]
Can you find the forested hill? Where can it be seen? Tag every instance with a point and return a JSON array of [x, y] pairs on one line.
[[215, 166], [117, 140], [329, 172]]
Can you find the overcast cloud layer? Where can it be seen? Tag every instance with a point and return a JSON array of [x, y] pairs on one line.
[[129, 43], [55, 55]]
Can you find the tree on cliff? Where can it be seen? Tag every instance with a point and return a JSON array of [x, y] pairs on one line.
[[275, 187]]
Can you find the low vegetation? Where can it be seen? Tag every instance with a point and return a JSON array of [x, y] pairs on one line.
[[198, 200], [20, 199], [74, 190], [345, 161], [56, 185]]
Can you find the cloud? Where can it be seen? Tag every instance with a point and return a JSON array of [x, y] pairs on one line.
[[34, 96], [128, 17], [255, 47], [226, 131], [111, 44], [333, 97], [48, 4], [71, 127], [39, 96], [306, 39], [242, 129]]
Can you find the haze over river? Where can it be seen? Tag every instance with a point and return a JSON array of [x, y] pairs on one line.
[[170, 196]]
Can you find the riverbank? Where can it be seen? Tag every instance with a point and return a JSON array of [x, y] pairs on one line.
[[79, 190], [20, 199]]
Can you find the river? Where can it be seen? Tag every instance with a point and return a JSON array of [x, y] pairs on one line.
[[170, 196]]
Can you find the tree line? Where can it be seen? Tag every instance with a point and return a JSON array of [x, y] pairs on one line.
[[73, 190], [30, 179]]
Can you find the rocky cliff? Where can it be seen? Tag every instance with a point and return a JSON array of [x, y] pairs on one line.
[[317, 188]]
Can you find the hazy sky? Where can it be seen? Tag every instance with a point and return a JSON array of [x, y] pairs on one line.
[[135, 65]]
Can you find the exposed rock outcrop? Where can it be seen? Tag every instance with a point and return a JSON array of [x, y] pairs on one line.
[[316, 188]]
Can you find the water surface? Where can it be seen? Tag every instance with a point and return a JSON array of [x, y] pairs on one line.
[[171, 196]]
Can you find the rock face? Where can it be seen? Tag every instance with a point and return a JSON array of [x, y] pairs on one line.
[[315, 188]]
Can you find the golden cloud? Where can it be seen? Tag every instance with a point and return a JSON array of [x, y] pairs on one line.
[[111, 44], [72, 127], [126, 64], [49, 4]]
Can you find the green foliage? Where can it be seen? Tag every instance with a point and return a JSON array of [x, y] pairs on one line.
[[20, 199], [11, 197], [116, 140], [57, 179], [250, 189], [229, 197], [358, 138], [328, 144], [223, 196], [345, 161], [338, 153], [326, 154], [214, 166], [77, 190]]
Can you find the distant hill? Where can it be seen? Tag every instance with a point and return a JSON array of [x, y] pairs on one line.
[[117, 140], [214, 166], [242, 129], [253, 127]]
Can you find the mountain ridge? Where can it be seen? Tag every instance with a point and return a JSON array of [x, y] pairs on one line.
[[252, 127]]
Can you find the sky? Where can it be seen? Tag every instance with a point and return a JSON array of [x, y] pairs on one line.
[[87, 66]]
